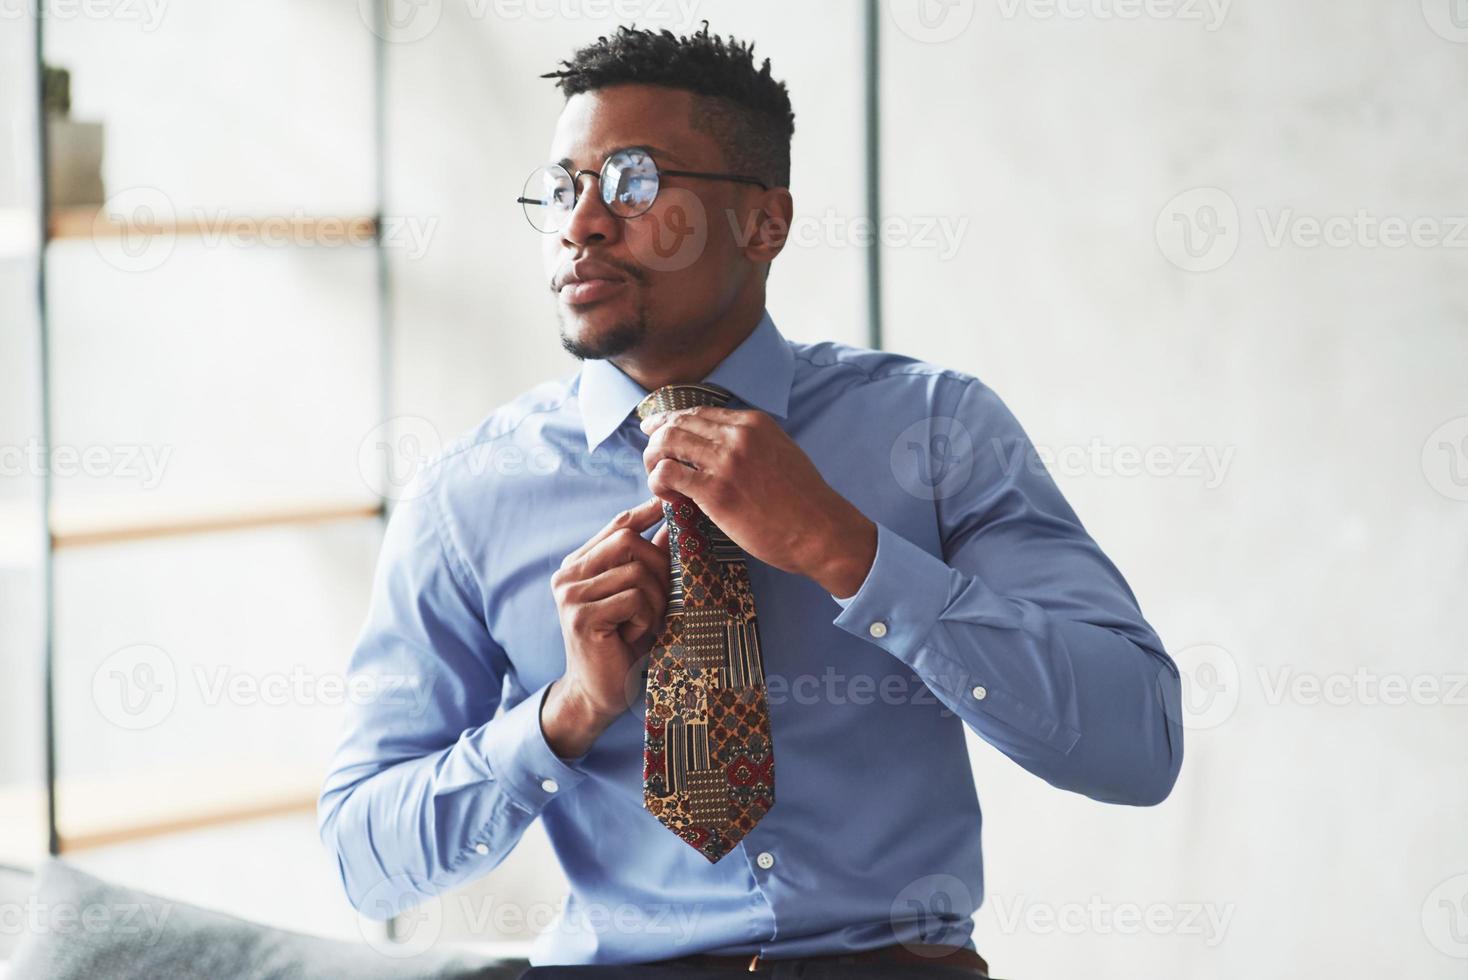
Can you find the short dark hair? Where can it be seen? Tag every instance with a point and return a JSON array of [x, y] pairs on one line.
[[742, 107]]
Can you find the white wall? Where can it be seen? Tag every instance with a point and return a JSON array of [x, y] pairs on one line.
[[1322, 547]]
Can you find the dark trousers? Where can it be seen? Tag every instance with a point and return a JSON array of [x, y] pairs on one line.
[[773, 969]]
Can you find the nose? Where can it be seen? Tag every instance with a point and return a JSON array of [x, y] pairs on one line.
[[590, 221]]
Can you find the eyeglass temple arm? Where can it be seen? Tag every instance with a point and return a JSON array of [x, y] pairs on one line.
[[737, 178]]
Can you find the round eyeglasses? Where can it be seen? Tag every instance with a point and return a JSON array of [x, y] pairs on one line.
[[629, 180]]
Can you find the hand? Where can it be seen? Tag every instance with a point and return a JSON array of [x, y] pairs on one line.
[[611, 594], [762, 490]]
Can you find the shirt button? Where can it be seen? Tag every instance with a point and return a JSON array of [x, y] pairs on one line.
[[878, 629], [549, 785], [481, 848], [980, 693], [765, 860]]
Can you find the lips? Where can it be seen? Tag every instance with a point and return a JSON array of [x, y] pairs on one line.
[[591, 290], [588, 281]]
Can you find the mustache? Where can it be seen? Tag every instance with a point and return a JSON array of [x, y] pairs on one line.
[[634, 273]]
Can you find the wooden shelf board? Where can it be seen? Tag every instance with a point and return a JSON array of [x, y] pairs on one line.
[[93, 223], [78, 529], [99, 811]]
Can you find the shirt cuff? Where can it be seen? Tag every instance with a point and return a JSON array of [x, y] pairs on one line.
[[522, 760], [900, 600]]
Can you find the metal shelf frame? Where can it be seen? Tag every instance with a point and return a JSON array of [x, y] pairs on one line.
[[46, 231]]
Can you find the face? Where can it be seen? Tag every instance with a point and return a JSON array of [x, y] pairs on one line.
[[654, 282]]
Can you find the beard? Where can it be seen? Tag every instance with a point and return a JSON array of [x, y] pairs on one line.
[[614, 341]]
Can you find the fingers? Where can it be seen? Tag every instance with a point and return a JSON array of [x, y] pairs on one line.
[[618, 579], [629, 613], [682, 444], [668, 476], [637, 519], [621, 548]]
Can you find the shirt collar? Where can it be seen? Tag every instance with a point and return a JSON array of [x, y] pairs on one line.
[[758, 373]]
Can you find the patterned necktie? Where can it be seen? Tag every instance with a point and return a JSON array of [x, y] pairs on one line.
[[708, 762]]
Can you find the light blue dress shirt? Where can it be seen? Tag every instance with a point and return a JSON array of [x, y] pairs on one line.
[[988, 605]]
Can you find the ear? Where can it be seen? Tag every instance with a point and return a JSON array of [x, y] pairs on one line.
[[767, 224]]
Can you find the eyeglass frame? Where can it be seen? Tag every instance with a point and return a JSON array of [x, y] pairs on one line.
[[575, 179]]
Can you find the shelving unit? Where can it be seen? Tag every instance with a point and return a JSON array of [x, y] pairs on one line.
[[91, 223], [109, 811]]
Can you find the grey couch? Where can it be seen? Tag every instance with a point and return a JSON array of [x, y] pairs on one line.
[[63, 923]]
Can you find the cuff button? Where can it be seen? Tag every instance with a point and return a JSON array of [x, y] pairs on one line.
[[481, 848]]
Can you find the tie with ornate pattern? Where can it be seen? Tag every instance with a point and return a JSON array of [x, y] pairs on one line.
[[708, 761]]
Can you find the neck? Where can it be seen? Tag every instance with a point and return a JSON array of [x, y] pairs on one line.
[[655, 368]]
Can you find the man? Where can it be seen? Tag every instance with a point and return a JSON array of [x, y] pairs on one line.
[[743, 729]]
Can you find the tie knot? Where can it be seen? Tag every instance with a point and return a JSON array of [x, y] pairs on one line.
[[670, 398]]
